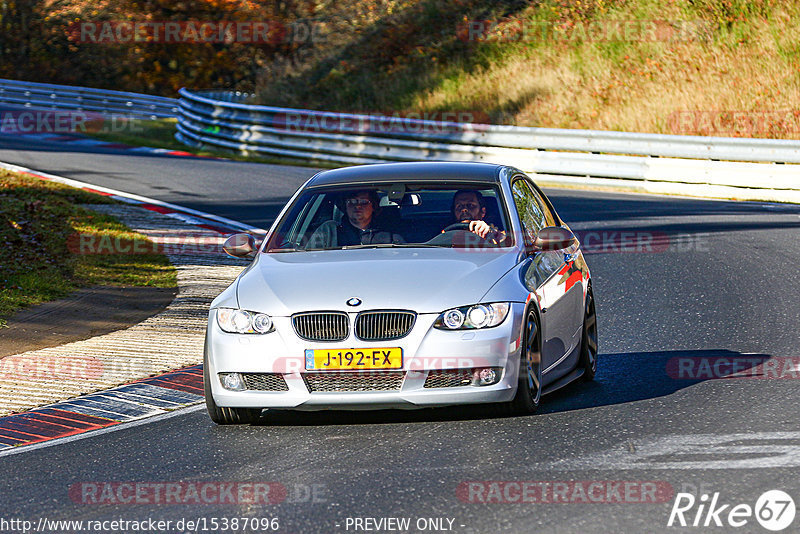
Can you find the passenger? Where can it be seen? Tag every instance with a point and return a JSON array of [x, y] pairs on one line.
[[357, 228], [469, 207]]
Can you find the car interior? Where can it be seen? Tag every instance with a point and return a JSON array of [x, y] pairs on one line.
[[418, 215]]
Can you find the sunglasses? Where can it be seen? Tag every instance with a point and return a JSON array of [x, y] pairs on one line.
[[357, 201], [467, 206]]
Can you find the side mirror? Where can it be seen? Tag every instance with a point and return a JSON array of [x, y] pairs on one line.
[[554, 238], [240, 246]]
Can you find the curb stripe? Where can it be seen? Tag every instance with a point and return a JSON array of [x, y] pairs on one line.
[[95, 411], [19, 435], [98, 143], [7, 451], [173, 396], [141, 399], [217, 229], [49, 420], [160, 209], [96, 192], [87, 420], [197, 390], [31, 421], [9, 434], [156, 395]]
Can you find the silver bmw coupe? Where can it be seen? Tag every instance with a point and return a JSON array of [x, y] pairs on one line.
[[403, 285]]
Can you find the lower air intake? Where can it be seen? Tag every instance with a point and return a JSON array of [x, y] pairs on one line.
[[357, 381], [449, 378], [264, 382]]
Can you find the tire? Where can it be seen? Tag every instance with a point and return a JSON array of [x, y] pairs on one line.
[[588, 357], [529, 389], [226, 416]]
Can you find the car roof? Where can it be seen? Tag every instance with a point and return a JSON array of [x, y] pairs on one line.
[[420, 171]]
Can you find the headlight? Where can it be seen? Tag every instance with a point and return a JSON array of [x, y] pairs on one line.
[[243, 321], [469, 317]]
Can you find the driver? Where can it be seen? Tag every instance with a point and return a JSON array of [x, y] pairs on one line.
[[469, 208], [357, 228]]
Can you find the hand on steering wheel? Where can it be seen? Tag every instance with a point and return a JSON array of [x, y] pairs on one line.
[[479, 228]]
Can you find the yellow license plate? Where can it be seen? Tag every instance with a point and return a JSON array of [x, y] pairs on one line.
[[353, 359]]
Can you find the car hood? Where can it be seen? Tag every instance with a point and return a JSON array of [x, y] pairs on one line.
[[423, 280]]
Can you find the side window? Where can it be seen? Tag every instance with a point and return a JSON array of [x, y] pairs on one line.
[[549, 219], [529, 209]]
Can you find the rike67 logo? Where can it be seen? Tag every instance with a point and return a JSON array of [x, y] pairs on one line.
[[774, 510]]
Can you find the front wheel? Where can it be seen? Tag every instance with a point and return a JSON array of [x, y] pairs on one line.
[[588, 358], [529, 388], [226, 416]]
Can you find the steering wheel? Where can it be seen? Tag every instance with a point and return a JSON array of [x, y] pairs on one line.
[[449, 239], [457, 226]]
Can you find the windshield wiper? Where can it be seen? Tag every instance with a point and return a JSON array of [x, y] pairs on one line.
[[391, 245], [286, 250]]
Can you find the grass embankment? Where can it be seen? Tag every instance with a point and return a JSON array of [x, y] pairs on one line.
[[159, 133], [559, 63], [40, 224]]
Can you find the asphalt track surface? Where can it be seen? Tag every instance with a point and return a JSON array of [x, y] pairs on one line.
[[721, 282]]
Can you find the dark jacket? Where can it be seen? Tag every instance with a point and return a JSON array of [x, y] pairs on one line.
[[333, 234]]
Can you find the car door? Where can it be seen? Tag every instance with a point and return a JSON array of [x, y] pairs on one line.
[[547, 276], [570, 286]]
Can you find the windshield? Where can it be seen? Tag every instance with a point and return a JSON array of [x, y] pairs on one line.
[[394, 215]]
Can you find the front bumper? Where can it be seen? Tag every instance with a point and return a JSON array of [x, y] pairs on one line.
[[425, 349]]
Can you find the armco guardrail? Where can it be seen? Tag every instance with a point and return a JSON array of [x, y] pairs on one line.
[[67, 97], [710, 166]]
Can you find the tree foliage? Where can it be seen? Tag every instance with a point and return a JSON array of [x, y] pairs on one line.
[[39, 41]]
